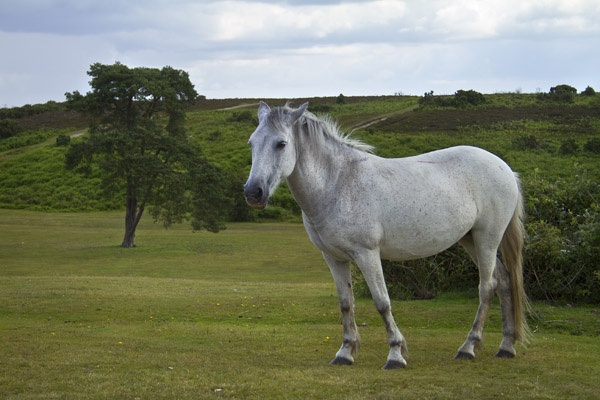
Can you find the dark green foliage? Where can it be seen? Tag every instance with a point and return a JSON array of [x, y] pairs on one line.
[[244, 116], [29, 110], [560, 94], [63, 140], [592, 145], [425, 278], [321, 108], [568, 147], [589, 91], [429, 99], [563, 248], [562, 89], [464, 98], [528, 142], [341, 99], [240, 212], [9, 127], [461, 99]]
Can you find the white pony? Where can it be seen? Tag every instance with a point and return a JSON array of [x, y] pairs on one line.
[[358, 207]]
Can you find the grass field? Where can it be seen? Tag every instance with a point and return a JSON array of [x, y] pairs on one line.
[[250, 312]]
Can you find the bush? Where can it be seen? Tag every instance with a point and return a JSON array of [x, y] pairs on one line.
[[63, 140], [244, 116], [589, 91], [568, 147], [321, 108], [9, 128], [528, 142], [425, 278], [461, 99], [564, 238], [562, 93], [562, 89], [464, 98], [592, 145]]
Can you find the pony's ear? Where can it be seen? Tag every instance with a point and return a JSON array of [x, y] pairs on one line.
[[297, 113], [263, 110]]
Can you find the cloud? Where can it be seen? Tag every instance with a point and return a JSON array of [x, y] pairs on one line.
[[302, 48]]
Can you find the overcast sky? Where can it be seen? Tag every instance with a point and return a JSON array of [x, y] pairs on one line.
[[289, 49]]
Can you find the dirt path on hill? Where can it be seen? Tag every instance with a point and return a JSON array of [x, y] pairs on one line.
[[243, 105], [380, 118], [360, 125]]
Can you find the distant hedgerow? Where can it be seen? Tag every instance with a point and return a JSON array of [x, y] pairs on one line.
[[461, 99]]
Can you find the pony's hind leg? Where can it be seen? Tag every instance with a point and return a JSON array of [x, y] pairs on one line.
[[504, 291], [486, 261], [343, 281], [369, 264]]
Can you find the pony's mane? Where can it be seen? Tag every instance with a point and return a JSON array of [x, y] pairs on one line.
[[320, 126]]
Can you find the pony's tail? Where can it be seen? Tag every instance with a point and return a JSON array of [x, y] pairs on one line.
[[512, 252]]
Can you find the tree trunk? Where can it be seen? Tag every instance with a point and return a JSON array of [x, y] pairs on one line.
[[132, 218]]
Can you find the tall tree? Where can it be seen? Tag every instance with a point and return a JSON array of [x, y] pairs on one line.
[[138, 142]]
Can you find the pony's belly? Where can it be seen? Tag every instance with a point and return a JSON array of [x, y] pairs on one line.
[[404, 254], [417, 244]]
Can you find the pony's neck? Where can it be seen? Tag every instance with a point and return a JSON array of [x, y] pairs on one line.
[[319, 166]]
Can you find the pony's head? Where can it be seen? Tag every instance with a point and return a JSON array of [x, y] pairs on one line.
[[273, 152]]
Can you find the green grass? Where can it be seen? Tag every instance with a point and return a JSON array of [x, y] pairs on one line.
[[250, 312]]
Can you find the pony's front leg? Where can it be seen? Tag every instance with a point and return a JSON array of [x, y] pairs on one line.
[[369, 264], [343, 281]]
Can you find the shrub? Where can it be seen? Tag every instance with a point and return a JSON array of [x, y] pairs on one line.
[[424, 279], [564, 238], [562, 93], [9, 127], [429, 99], [461, 99], [321, 108], [464, 98], [63, 140], [569, 146], [589, 91], [528, 142], [244, 116], [592, 145]]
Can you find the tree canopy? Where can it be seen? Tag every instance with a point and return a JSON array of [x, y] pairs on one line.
[[138, 142]]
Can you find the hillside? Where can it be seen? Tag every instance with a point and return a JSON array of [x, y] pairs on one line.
[[530, 134]]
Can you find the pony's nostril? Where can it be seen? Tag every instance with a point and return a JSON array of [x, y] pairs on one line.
[[253, 193]]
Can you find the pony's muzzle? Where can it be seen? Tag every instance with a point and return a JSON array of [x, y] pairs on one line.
[[255, 196]]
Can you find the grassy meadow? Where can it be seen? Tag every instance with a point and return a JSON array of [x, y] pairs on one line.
[[250, 312]]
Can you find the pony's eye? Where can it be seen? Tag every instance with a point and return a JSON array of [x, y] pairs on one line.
[[281, 144]]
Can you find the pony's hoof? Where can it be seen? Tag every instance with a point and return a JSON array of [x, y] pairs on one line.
[[504, 354], [394, 364], [341, 361], [461, 355]]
